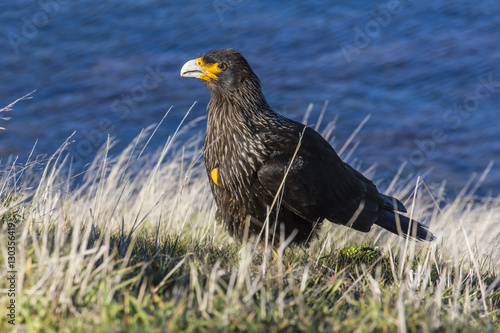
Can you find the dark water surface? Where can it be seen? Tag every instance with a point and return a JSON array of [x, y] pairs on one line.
[[427, 73]]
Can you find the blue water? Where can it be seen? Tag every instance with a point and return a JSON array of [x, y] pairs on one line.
[[428, 74]]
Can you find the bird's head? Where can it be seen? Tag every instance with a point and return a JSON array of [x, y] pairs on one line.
[[222, 70]]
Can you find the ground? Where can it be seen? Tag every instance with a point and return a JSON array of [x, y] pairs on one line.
[[133, 247]]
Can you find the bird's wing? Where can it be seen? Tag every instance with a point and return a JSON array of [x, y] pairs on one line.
[[393, 204], [319, 185], [389, 203]]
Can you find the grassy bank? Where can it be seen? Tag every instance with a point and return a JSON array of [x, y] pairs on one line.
[[134, 247]]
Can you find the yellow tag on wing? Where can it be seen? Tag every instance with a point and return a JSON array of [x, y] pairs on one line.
[[215, 176]]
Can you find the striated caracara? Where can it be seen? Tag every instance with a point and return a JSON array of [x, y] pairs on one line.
[[265, 167]]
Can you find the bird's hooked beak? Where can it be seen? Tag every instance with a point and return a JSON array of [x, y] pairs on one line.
[[199, 69], [191, 69]]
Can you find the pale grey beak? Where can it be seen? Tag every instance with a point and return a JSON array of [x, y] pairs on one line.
[[191, 69]]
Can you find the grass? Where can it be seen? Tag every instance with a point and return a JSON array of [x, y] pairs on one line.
[[133, 247]]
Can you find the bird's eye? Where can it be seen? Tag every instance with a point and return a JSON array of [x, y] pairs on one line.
[[222, 66]]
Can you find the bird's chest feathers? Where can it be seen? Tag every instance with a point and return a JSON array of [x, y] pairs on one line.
[[233, 157], [233, 148]]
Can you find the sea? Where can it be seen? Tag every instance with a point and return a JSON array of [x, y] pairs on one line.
[[400, 87]]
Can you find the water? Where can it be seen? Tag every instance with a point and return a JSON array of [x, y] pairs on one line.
[[428, 74]]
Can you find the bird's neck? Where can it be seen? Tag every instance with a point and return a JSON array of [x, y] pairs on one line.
[[236, 121], [240, 109]]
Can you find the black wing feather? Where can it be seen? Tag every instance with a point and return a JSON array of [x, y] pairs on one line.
[[319, 185]]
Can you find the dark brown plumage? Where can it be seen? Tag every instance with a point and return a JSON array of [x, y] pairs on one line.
[[249, 148]]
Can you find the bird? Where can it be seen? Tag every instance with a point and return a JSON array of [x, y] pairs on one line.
[[264, 168]]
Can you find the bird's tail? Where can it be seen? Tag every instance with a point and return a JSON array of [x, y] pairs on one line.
[[400, 225]]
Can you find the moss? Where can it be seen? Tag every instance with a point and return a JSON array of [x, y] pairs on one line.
[[360, 254]]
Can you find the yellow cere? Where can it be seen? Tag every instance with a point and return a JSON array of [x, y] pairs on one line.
[[214, 175], [211, 71]]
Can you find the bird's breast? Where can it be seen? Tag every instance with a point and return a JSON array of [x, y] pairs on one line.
[[236, 156]]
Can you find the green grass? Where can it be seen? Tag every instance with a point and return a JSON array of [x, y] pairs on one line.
[[196, 285], [135, 248]]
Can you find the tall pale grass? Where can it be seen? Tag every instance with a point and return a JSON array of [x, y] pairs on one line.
[[76, 234]]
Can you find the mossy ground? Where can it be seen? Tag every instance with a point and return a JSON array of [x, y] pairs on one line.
[[178, 283], [134, 248]]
